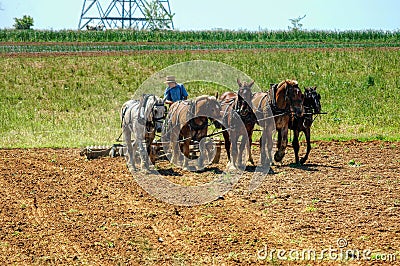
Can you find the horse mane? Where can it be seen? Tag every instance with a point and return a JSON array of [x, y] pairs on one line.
[[149, 107], [201, 97], [286, 82], [282, 86], [193, 104], [205, 97]]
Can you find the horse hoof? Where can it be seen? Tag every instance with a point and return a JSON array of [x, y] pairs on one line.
[[132, 170], [189, 168], [271, 171], [302, 161], [174, 161], [265, 164], [200, 165], [278, 157], [242, 167], [145, 171], [230, 167]]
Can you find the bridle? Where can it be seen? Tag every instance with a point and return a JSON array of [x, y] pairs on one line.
[[151, 124], [155, 109], [289, 98], [246, 113], [311, 101]]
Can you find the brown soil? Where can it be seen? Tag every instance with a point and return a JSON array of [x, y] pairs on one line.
[[59, 208]]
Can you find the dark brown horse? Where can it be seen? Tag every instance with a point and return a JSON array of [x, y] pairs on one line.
[[238, 122], [186, 121], [276, 107], [312, 105]]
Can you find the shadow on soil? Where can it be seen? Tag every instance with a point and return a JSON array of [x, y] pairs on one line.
[[312, 167]]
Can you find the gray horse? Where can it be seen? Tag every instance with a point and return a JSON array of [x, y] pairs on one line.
[[140, 120]]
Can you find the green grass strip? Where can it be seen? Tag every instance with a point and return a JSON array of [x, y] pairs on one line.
[[182, 47]]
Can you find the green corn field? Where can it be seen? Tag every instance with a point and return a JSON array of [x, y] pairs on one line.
[[197, 36]]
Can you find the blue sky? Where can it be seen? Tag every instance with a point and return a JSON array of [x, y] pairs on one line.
[[233, 15]]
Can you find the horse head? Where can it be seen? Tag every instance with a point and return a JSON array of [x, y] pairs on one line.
[[207, 106], [289, 96], [312, 99], [155, 112], [244, 104]]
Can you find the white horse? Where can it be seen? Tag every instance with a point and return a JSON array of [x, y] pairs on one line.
[[140, 120]]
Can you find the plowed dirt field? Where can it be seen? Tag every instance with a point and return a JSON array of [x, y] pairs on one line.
[[59, 208]]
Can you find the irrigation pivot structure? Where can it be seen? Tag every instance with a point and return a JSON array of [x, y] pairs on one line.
[[125, 14]]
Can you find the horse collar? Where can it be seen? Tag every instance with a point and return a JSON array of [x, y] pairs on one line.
[[275, 109]]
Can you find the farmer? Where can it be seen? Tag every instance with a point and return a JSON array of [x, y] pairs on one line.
[[175, 91]]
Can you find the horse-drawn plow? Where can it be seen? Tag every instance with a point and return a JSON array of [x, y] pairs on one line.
[[157, 151], [182, 135]]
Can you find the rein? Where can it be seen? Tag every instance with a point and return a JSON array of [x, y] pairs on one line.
[[249, 117], [143, 106]]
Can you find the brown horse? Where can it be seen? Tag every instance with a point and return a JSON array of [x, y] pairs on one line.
[[312, 105], [186, 121], [237, 111], [278, 106]]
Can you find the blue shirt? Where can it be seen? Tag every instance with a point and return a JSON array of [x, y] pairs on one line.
[[176, 93]]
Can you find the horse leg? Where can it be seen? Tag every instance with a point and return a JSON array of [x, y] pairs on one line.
[[143, 155], [296, 145], [284, 140], [130, 159], [186, 153], [278, 145], [175, 145], [227, 144], [307, 132], [267, 142], [270, 145], [282, 143], [151, 151], [279, 141], [263, 142], [134, 148], [250, 134], [243, 145], [234, 150], [203, 155], [149, 141]]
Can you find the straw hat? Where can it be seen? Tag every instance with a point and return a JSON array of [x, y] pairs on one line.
[[170, 79]]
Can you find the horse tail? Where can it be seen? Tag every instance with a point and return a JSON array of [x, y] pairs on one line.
[[123, 112], [128, 106]]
